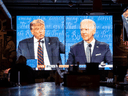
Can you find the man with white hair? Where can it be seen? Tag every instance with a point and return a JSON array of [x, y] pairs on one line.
[[89, 49]]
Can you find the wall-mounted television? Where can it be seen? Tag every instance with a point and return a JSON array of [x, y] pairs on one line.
[[67, 29]]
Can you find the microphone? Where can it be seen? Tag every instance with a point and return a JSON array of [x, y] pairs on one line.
[[90, 45], [41, 41]]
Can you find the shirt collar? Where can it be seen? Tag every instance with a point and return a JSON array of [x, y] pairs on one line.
[[36, 40], [92, 42]]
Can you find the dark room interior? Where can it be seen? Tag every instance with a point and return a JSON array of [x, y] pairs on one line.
[[68, 80]]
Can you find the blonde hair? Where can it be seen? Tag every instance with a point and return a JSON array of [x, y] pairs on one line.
[[36, 21]]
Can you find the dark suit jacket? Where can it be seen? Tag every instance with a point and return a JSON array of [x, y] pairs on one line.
[[101, 52], [53, 46]]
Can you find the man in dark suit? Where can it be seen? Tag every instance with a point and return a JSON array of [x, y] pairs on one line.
[[99, 51], [51, 46]]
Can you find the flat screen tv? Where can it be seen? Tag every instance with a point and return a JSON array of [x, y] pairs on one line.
[[67, 29]]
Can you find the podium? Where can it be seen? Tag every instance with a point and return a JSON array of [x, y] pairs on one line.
[[89, 79], [81, 80], [92, 68]]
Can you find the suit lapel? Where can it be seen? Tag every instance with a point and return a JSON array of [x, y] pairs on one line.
[[48, 48], [82, 51], [31, 47], [95, 50]]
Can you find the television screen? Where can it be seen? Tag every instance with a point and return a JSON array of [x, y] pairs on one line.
[[67, 30]]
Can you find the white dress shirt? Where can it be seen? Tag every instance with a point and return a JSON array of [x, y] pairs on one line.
[[46, 58], [92, 43]]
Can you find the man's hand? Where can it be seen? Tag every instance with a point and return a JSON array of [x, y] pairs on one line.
[[7, 70]]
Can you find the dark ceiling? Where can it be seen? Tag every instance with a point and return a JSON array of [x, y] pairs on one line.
[[61, 7]]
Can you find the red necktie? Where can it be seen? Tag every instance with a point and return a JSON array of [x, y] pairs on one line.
[[40, 57]]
